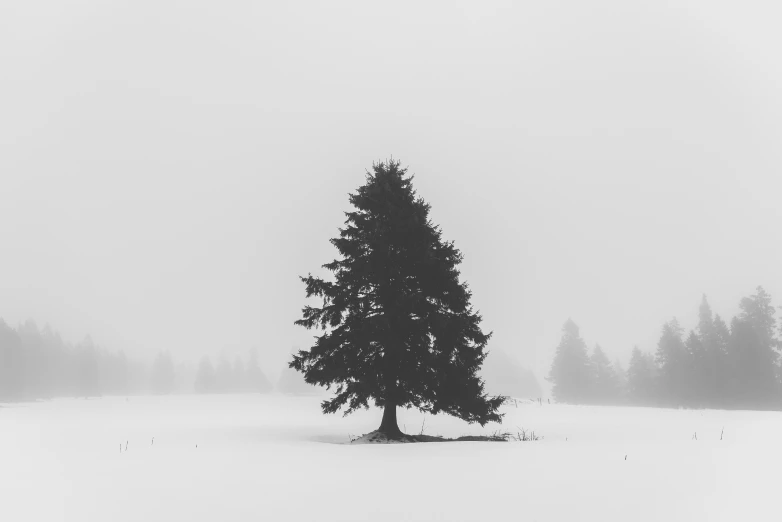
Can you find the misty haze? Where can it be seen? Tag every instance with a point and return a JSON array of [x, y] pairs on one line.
[[390, 261]]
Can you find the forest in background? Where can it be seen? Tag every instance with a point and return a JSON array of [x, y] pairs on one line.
[[37, 364], [715, 365]]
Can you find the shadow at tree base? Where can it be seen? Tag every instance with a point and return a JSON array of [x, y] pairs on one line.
[[377, 437]]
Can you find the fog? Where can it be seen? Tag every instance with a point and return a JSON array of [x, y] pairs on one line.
[[168, 169]]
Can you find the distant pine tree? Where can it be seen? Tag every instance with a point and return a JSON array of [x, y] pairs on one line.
[[238, 382], [163, 374], [696, 390], [713, 335], [672, 360], [505, 376], [758, 312], [291, 382], [641, 387], [398, 326], [224, 376], [605, 385], [621, 381], [724, 371], [752, 353], [88, 372], [37, 363], [11, 361], [255, 379], [571, 371], [205, 377]]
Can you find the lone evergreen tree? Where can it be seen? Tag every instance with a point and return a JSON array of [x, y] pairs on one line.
[[398, 327]]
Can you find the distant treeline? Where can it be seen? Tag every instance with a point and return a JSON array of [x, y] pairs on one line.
[[36, 363], [227, 378], [713, 366]]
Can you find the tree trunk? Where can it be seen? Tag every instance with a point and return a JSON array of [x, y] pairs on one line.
[[389, 426]]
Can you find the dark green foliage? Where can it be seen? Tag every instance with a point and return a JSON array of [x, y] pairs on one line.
[[571, 372], [398, 328]]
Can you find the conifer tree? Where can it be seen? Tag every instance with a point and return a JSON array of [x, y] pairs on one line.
[[696, 389], [713, 373], [672, 359], [163, 373], [11, 357], [640, 378], [722, 338], [88, 373], [621, 381], [223, 375], [205, 378], [605, 382], [256, 380], [749, 376], [238, 382], [571, 370], [752, 352], [759, 313], [398, 327]]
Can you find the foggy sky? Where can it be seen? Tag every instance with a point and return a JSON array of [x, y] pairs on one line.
[[168, 169]]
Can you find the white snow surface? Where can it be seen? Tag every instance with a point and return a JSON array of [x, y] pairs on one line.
[[279, 458]]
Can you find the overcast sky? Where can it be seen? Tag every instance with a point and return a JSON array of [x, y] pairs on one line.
[[168, 168]]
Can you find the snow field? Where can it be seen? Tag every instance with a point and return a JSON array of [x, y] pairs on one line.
[[278, 458]]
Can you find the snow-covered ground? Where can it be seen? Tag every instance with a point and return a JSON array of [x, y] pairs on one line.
[[277, 458]]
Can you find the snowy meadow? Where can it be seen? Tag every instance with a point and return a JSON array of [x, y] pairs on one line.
[[277, 457]]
